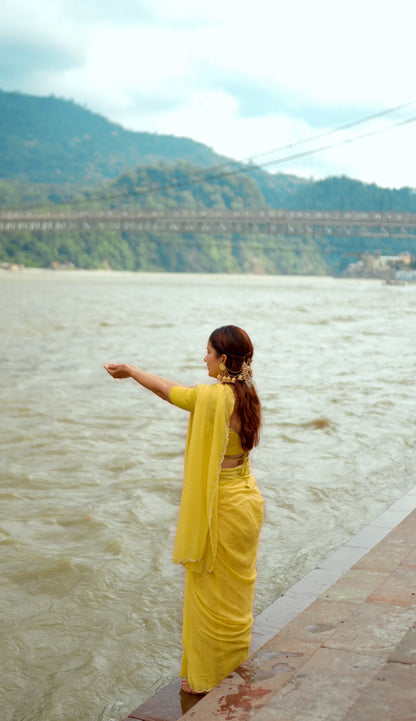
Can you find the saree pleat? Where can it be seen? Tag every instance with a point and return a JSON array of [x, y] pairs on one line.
[[217, 614]]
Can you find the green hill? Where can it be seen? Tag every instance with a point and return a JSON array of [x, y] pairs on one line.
[[55, 142], [50, 140], [54, 153], [182, 186]]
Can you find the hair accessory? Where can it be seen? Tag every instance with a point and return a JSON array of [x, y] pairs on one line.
[[245, 374]]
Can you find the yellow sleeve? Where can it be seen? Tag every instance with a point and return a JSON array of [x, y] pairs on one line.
[[183, 397]]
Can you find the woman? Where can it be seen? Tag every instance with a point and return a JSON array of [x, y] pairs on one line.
[[221, 510]]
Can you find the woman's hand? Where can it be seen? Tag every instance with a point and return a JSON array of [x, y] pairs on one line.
[[118, 370], [158, 385]]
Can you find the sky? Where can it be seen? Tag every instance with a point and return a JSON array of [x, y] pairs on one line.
[[283, 85]]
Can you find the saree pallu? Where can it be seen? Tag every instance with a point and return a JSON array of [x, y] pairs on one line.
[[218, 604]]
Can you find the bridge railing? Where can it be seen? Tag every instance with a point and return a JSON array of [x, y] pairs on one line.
[[217, 221]]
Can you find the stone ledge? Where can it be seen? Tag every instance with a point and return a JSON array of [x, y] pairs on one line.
[[323, 650]]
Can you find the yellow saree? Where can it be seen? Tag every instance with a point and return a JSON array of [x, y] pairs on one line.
[[219, 523]]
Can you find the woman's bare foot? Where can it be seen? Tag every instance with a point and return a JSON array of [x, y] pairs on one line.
[[186, 687]]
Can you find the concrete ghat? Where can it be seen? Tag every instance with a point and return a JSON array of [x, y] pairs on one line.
[[339, 645]]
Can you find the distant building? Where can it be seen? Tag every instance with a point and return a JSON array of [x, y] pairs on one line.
[[387, 267]]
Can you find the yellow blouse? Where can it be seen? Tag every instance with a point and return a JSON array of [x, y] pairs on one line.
[[234, 448]]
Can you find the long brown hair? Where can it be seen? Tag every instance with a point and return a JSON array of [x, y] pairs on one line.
[[235, 343]]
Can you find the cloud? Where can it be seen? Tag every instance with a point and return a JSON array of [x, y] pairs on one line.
[[32, 44], [108, 11], [257, 98], [21, 60], [240, 78]]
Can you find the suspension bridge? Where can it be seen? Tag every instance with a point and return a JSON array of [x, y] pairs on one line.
[[316, 223]]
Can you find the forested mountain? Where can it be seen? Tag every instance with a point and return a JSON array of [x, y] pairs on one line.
[[184, 187], [50, 140], [55, 154], [159, 188], [243, 187], [55, 142]]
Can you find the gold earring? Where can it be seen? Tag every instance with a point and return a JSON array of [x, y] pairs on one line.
[[221, 367]]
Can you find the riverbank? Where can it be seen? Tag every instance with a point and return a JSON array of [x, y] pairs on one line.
[[339, 645]]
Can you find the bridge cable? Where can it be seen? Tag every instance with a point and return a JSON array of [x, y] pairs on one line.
[[234, 167]]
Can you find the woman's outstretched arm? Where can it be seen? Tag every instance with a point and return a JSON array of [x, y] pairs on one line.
[[156, 384]]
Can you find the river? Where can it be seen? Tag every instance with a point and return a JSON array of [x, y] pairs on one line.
[[91, 467]]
